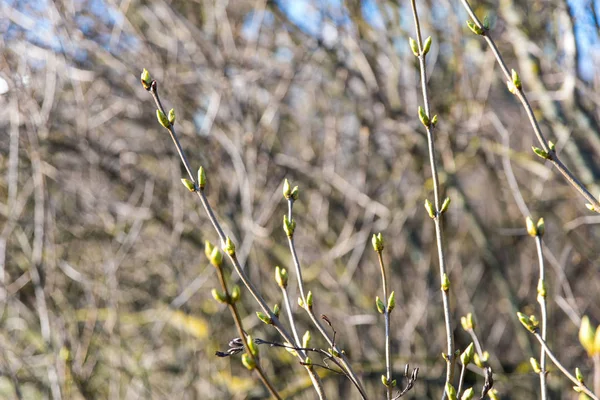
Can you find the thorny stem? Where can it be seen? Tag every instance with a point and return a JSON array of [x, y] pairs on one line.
[[567, 174], [388, 359], [565, 371], [236, 265], [240, 328], [436, 191], [544, 322], [344, 360]]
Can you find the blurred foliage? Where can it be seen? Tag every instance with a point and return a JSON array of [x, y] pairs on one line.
[[105, 290]]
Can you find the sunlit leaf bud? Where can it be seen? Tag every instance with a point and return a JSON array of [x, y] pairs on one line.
[[597, 341], [248, 361], [423, 117], [474, 28], [590, 207], [486, 22], [467, 356], [384, 380], [579, 375], [524, 319], [445, 205], [531, 228], [391, 302], [413, 46], [587, 335], [309, 299], [434, 120], [264, 317], [551, 145], [188, 184], [493, 394], [229, 246], [467, 322], [445, 283], [172, 116], [377, 242], [289, 226], [219, 296], [276, 310], [516, 79], [306, 339], [308, 361], [201, 177], [535, 365], [511, 87], [287, 189], [451, 392], [252, 346], [380, 305], [541, 227], [427, 45], [146, 79], [162, 118], [295, 193], [216, 257], [429, 208], [541, 153], [208, 249], [281, 277], [541, 289], [468, 394], [300, 302], [235, 294]]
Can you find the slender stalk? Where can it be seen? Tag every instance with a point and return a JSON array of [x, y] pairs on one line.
[[596, 359], [436, 192], [386, 314], [288, 309], [553, 156], [240, 328], [463, 368], [565, 371], [544, 321], [236, 265], [344, 360]]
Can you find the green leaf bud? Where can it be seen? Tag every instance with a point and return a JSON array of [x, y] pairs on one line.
[[309, 299], [229, 246], [587, 335], [423, 117], [248, 361], [295, 193], [474, 28], [384, 380], [451, 392], [276, 310], [551, 145], [264, 317], [445, 205], [468, 394], [541, 227], [216, 257], [219, 296], [171, 116], [252, 346], [377, 242], [391, 302], [146, 79], [535, 365], [289, 226], [429, 208], [467, 322], [427, 45], [524, 319], [486, 22], [307, 361], [434, 120], [188, 184], [445, 283], [162, 118], [493, 394], [380, 305], [579, 375], [531, 228], [201, 178], [235, 294], [287, 189], [208, 249], [414, 47], [516, 79], [541, 289], [540, 153], [281, 277], [590, 207], [467, 356], [300, 302], [306, 339]]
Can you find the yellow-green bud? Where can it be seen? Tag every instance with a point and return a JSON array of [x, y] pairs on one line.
[[248, 361], [216, 257], [414, 47], [276, 310], [295, 193], [219, 296], [235, 294], [146, 79], [423, 117], [300, 302], [380, 305], [289, 226], [587, 335], [531, 228], [445, 283], [188, 184], [384, 380], [541, 289], [377, 242], [281, 277], [306, 339], [493, 394], [391, 302], [208, 249], [434, 120], [467, 356], [551, 145], [535, 365], [309, 300], [229, 246], [445, 205], [451, 392], [541, 153], [516, 79], [480, 361], [427, 45], [264, 317], [162, 118], [525, 320], [172, 116], [287, 189], [468, 394], [474, 28], [541, 227], [201, 178], [579, 375], [486, 22], [308, 361], [252, 346], [429, 208], [467, 322]]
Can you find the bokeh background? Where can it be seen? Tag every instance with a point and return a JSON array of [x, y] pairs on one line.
[[104, 286]]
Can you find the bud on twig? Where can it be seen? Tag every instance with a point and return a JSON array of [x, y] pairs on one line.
[[229, 246], [429, 208], [264, 317], [146, 79], [587, 335], [377, 242], [467, 322], [414, 47], [450, 391], [276, 310], [474, 28], [162, 118], [531, 228], [380, 305], [248, 361], [543, 154], [467, 356], [309, 300], [535, 365], [468, 394], [516, 79], [219, 296], [235, 294], [306, 339], [427, 45], [287, 189], [188, 184], [289, 226], [445, 283], [445, 205], [281, 277], [172, 116], [216, 257], [391, 302], [201, 178], [423, 117]]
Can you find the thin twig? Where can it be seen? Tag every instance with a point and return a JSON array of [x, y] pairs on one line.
[[544, 322], [436, 191], [519, 92], [386, 314]]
